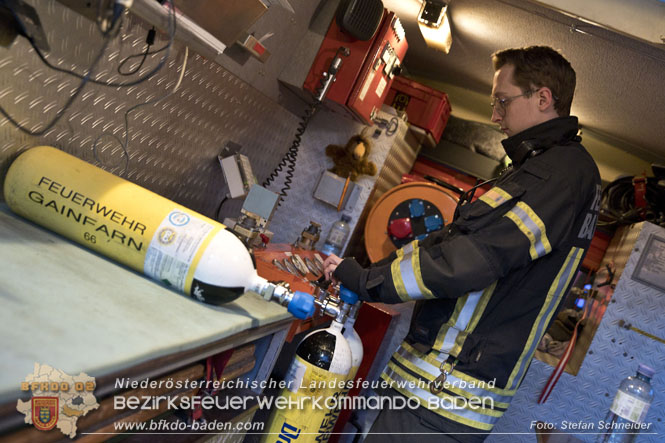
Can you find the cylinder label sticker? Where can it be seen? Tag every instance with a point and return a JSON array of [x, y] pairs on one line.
[[295, 374], [173, 248]]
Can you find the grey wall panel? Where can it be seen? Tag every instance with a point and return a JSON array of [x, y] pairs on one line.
[[283, 31], [173, 143], [299, 206], [613, 355]]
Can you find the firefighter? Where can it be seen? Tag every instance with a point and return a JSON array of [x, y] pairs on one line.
[[490, 284]]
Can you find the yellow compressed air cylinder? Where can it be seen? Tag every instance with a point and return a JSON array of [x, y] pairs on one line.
[[356, 348], [313, 384], [129, 224]]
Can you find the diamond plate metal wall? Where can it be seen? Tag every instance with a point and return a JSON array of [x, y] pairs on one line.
[[299, 207], [173, 144], [614, 354]]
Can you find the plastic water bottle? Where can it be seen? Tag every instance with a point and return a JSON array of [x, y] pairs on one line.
[[337, 236], [629, 408]]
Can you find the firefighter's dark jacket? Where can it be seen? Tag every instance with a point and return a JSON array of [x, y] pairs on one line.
[[521, 244]]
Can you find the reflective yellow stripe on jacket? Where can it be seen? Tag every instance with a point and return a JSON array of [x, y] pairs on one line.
[[464, 399], [495, 197], [462, 322], [556, 291], [406, 274], [532, 227]]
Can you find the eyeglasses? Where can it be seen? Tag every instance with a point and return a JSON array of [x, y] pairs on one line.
[[500, 104]]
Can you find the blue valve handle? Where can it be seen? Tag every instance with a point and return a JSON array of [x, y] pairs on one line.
[[302, 305], [347, 295]]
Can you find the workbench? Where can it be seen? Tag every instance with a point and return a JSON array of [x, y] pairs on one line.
[[68, 307]]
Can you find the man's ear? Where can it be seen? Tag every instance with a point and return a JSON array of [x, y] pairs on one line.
[[545, 99]]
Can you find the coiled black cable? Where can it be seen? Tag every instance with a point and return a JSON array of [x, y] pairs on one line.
[[289, 159], [618, 203]]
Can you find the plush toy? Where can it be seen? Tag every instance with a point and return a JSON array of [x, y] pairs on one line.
[[352, 160]]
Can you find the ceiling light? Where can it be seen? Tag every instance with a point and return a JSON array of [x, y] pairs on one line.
[[434, 25]]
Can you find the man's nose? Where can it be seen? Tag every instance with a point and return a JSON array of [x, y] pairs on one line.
[[496, 117]]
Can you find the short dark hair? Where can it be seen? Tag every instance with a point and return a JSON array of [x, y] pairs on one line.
[[539, 66]]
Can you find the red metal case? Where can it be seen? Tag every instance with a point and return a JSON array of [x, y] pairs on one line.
[[425, 107], [377, 75], [364, 79]]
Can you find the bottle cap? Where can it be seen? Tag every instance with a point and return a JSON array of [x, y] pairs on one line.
[[347, 295], [346, 218], [646, 370]]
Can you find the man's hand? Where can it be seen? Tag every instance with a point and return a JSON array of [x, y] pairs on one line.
[[329, 266]]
